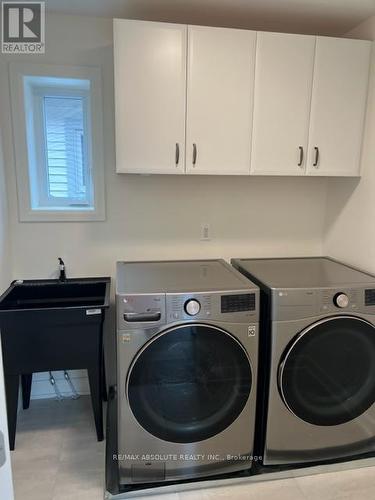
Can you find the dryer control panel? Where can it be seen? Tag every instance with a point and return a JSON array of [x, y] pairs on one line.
[[342, 299], [290, 304]]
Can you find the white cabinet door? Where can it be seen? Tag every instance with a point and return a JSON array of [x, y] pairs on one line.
[[150, 96], [283, 82], [219, 100], [338, 106]]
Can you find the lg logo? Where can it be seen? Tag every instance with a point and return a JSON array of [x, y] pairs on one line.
[[23, 27]]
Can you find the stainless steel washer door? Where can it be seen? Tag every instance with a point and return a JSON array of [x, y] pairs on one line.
[[189, 383], [327, 374]]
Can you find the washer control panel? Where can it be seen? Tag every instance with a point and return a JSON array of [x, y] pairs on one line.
[[212, 306], [151, 310]]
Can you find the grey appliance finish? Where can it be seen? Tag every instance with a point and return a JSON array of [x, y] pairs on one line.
[[306, 300], [160, 300]]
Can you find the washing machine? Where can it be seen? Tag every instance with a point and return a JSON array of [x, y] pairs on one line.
[[187, 354], [318, 359]]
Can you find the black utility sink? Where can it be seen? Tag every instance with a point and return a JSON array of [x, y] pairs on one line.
[[44, 294], [50, 325]]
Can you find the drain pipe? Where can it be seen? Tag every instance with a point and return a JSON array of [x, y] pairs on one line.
[[75, 394], [54, 385]]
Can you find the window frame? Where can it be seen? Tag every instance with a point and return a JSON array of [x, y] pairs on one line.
[[27, 151]]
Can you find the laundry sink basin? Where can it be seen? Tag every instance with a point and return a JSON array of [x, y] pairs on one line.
[[45, 294], [51, 325]]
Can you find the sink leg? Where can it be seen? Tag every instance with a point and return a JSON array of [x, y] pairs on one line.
[[96, 398], [104, 381], [26, 381], [11, 390]]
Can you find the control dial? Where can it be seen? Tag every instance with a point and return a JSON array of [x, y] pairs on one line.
[[341, 300], [192, 307]]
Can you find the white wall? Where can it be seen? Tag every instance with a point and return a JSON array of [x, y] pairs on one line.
[[350, 227], [5, 266], [155, 217]]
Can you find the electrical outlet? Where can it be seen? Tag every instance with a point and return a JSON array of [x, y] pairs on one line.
[[205, 232]]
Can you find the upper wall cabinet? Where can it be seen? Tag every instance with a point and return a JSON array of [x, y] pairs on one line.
[[220, 83], [338, 106], [202, 100], [283, 82], [150, 90]]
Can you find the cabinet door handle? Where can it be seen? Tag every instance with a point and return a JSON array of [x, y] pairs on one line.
[[194, 153], [300, 156], [177, 154], [315, 164]]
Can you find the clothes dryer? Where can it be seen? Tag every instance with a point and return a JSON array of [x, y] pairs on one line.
[[318, 359]]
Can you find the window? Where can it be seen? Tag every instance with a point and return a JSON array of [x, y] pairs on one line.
[[62, 166], [59, 139]]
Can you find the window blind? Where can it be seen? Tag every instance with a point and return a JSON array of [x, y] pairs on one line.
[[66, 162]]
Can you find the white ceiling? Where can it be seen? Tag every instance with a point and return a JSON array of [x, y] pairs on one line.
[[330, 17]]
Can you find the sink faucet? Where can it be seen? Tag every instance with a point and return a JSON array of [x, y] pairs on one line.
[[62, 276]]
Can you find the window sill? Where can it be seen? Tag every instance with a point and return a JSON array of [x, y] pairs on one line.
[[62, 216]]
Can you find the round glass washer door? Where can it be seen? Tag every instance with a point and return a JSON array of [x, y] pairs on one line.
[[327, 374], [189, 383]]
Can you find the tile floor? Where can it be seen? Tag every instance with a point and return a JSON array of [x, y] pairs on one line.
[[57, 457]]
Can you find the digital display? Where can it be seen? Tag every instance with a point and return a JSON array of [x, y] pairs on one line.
[[370, 297], [238, 303]]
